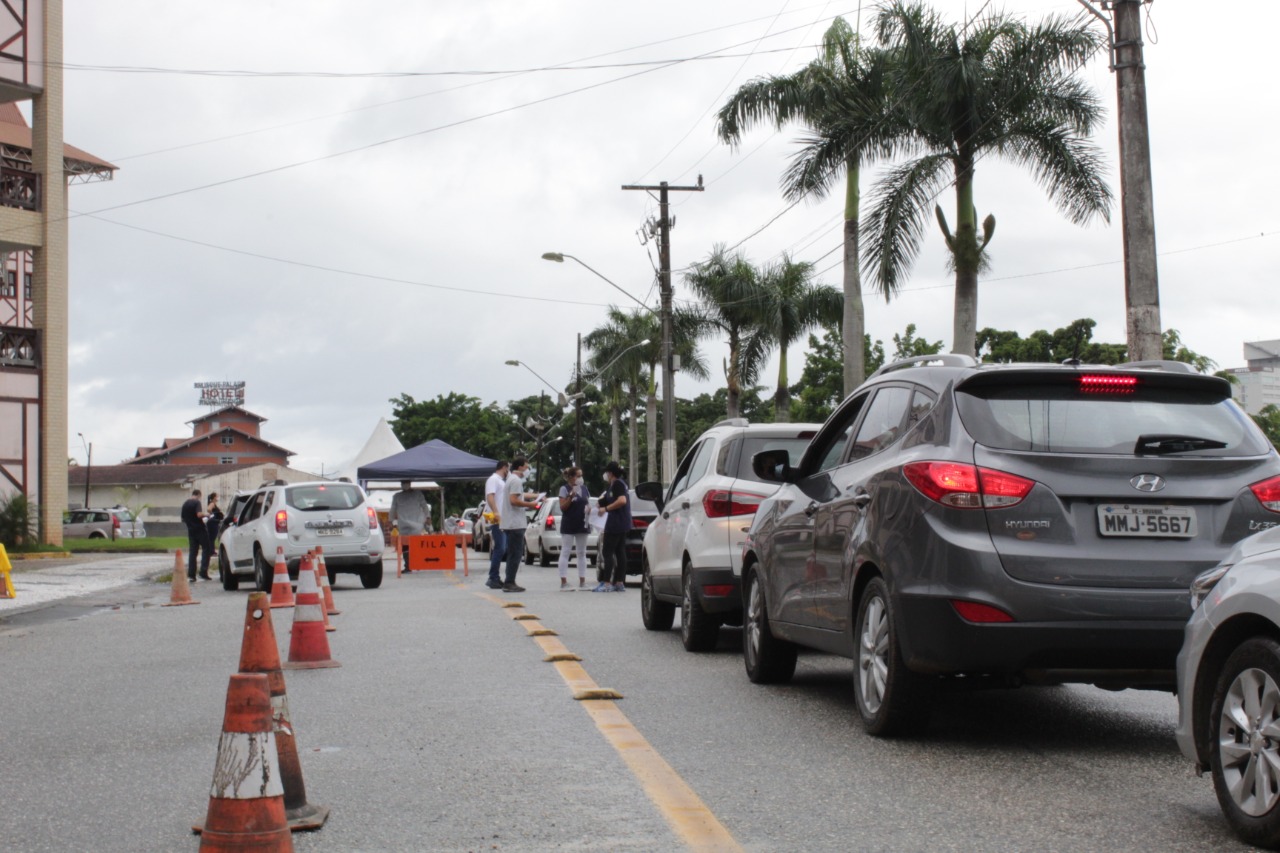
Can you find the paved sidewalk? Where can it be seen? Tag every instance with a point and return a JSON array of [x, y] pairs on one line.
[[39, 585]]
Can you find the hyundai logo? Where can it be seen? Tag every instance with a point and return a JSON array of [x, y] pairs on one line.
[[1147, 482]]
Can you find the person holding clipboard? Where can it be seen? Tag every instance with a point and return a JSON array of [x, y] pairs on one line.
[[613, 541]]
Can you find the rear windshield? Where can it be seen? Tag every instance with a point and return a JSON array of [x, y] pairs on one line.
[[328, 496], [795, 448], [1062, 419]]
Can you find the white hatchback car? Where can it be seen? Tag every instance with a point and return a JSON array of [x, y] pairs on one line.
[[542, 540], [298, 517], [693, 550]]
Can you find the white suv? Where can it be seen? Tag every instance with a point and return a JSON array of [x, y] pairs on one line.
[[693, 550], [298, 517]]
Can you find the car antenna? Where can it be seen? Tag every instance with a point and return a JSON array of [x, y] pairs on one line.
[[1074, 361]]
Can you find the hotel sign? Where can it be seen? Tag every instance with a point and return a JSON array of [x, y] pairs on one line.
[[221, 393]]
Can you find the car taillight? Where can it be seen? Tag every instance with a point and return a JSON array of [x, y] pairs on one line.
[[282, 521], [373, 518], [1268, 493], [1101, 383], [115, 522], [963, 486], [972, 611], [722, 503], [639, 523], [551, 522]]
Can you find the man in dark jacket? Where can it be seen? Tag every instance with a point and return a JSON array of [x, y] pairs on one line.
[[193, 515]]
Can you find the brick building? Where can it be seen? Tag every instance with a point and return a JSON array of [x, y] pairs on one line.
[[228, 436]]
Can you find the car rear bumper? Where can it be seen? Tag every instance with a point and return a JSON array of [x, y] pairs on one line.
[[719, 590], [1139, 653]]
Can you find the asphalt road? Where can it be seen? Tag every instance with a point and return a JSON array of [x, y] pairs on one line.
[[444, 729]]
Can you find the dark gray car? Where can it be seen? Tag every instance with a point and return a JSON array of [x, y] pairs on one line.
[[966, 524]]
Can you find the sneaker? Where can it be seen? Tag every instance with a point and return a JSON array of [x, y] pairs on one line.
[[566, 588], [493, 584], [511, 587], [619, 587], [604, 587], [190, 579]]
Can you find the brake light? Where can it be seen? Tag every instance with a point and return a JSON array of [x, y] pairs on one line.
[[1268, 493], [1107, 383], [717, 590], [282, 521], [955, 484], [373, 518], [723, 503], [972, 611], [639, 523], [551, 522], [115, 522]]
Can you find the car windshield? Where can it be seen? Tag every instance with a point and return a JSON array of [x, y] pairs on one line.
[[1062, 419], [751, 446], [321, 497]]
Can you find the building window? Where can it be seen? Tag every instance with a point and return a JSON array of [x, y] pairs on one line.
[[228, 440], [9, 286], [228, 460], [26, 284]]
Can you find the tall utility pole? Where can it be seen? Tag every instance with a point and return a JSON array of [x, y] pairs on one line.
[[1137, 210], [664, 286]]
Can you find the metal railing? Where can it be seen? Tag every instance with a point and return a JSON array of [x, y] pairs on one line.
[[19, 188], [19, 347]]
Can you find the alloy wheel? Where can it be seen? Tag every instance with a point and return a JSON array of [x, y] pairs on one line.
[[1249, 741], [873, 654]]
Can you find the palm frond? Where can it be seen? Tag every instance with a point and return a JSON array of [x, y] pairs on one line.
[[901, 205]]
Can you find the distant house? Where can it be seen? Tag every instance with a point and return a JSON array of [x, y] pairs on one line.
[[229, 436], [163, 488]]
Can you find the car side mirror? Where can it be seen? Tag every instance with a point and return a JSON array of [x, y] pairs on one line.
[[773, 466], [651, 492]]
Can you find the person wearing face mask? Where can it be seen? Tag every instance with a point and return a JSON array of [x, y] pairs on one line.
[[613, 541], [574, 500]]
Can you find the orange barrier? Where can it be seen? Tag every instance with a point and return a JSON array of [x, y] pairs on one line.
[[246, 800], [281, 588], [308, 644], [319, 573], [180, 589], [432, 553]]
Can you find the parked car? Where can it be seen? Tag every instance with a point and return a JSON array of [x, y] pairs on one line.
[[542, 539], [110, 523], [1001, 525], [692, 553], [1229, 684], [232, 512], [297, 517], [480, 539]]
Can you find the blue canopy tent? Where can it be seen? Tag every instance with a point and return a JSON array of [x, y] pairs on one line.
[[435, 460]]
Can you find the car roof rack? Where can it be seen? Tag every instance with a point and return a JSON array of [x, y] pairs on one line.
[[1158, 364], [949, 359], [733, 422]]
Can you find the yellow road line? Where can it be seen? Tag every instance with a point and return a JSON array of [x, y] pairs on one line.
[[679, 805]]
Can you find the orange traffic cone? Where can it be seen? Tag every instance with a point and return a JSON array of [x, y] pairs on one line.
[[180, 590], [324, 611], [308, 645], [281, 588], [258, 653], [325, 587], [246, 802]]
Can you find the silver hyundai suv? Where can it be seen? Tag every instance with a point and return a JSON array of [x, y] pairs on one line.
[[298, 517], [980, 524]]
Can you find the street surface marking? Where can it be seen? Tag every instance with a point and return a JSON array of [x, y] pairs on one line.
[[682, 808]]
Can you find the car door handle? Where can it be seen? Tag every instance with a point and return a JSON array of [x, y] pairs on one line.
[[861, 499], [811, 508]]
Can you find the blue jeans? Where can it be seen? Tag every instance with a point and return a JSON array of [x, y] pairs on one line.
[[499, 552], [515, 552]]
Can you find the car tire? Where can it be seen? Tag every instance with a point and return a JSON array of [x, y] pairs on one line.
[[97, 534], [371, 577], [699, 630], [890, 698], [657, 615], [263, 575], [1248, 684], [544, 559], [230, 582], [768, 660]]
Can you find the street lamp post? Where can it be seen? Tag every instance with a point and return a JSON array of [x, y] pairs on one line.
[[88, 467]]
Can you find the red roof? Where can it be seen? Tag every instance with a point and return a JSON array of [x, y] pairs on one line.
[[15, 133], [172, 444], [259, 418]]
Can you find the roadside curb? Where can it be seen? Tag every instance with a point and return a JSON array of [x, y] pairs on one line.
[[42, 555]]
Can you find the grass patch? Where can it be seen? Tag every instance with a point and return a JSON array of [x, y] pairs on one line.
[[151, 544], [36, 549]]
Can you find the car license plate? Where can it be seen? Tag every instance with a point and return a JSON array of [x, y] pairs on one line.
[[330, 531], [1146, 520]]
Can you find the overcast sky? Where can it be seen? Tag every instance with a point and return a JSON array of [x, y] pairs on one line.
[[334, 281]]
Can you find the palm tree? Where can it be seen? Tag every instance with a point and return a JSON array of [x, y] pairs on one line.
[[997, 86], [731, 293], [613, 348], [843, 98], [791, 304]]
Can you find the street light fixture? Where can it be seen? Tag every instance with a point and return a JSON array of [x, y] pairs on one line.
[[559, 257], [614, 360], [561, 398]]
